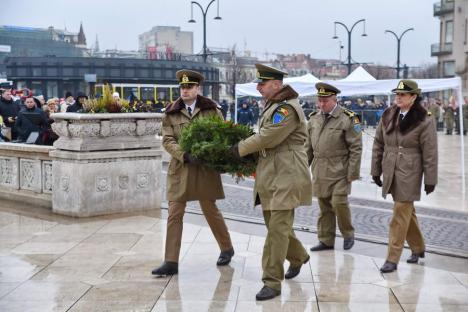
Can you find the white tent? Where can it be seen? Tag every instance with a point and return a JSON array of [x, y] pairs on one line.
[[359, 74]]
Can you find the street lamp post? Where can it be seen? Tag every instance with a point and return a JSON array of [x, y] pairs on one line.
[[204, 12], [349, 63], [398, 48]]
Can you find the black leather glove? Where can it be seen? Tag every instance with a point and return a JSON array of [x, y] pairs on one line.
[[189, 159], [235, 151], [429, 188], [377, 180]]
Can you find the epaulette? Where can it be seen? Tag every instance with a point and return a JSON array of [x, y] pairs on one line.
[[312, 114], [429, 113], [348, 112]]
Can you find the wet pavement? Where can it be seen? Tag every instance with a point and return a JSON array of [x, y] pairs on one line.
[[54, 263]]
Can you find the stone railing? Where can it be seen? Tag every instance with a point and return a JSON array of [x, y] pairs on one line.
[[101, 164], [26, 173]]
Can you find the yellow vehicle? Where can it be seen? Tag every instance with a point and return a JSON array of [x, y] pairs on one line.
[[144, 92]]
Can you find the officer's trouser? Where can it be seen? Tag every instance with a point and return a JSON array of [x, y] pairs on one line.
[[334, 208], [175, 225], [280, 244], [404, 226]]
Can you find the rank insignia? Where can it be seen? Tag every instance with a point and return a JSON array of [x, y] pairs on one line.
[[357, 124]]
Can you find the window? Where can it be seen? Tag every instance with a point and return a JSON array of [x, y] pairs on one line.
[[449, 68], [67, 71], [37, 71], [36, 88], [449, 32], [51, 71], [52, 89], [115, 72]]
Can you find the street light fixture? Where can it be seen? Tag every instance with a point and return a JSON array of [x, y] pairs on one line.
[[349, 63], [398, 38], [204, 12]]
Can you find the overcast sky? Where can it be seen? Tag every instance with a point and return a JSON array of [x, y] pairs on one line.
[[293, 26]]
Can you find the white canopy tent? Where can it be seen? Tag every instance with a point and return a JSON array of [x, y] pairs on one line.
[[359, 74], [305, 86]]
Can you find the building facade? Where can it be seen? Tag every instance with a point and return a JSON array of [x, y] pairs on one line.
[[54, 76], [166, 39], [452, 49], [28, 41]]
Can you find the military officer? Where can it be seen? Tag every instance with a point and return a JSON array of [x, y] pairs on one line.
[[282, 178], [334, 149], [405, 149], [187, 179]]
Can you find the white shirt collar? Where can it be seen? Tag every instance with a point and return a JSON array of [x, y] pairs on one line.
[[192, 106]]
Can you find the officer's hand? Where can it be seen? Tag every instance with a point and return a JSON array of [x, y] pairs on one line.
[[234, 150], [351, 179], [429, 188], [189, 159], [377, 180]]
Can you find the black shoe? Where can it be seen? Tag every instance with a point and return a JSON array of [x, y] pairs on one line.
[[167, 268], [321, 246], [388, 267], [294, 271], [267, 293], [348, 243], [415, 257], [225, 257]]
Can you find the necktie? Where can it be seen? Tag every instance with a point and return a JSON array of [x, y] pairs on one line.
[[401, 117], [189, 109]]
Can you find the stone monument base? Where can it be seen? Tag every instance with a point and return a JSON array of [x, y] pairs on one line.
[[103, 182]]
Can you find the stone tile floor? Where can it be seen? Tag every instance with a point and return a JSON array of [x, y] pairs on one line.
[[53, 263]]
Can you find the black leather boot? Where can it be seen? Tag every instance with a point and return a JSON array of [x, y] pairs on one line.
[[225, 257], [414, 258], [321, 246], [267, 293], [167, 268], [388, 267], [348, 243], [294, 271]]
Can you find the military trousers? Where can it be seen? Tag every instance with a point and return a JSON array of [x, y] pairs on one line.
[[333, 208], [280, 244], [404, 226], [175, 226]]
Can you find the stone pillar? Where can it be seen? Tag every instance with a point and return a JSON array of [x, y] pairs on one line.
[[106, 163]]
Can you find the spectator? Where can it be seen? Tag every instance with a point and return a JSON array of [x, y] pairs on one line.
[[245, 115], [41, 100], [51, 107], [31, 119], [9, 110], [232, 110], [77, 107], [256, 112], [224, 108], [69, 101]]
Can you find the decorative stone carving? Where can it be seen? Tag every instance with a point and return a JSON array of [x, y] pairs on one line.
[[65, 183], [98, 132], [123, 182], [143, 180], [103, 184], [47, 178], [30, 175], [9, 172]]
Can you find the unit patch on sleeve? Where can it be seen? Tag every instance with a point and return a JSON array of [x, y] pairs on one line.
[[280, 115]]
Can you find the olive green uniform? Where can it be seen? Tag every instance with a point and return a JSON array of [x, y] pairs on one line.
[[334, 149], [282, 180]]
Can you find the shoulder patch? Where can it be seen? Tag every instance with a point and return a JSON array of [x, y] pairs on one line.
[[279, 115]]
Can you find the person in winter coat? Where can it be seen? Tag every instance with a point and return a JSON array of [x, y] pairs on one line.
[[77, 107], [26, 125], [405, 151], [9, 109], [187, 178], [245, 115]]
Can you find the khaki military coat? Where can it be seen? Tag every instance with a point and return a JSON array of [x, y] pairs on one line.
[[282, 177], [334, 148], [187, 182], [404, 152]]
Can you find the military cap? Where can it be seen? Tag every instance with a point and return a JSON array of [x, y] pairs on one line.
[[325, 89], [265, 73], [186, 76], [407, 86]]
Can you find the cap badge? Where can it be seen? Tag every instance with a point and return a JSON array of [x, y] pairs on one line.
[[322, 90], [401, 86], [185, 79]]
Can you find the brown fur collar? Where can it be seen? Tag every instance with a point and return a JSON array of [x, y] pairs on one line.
[[284, 94], [413, 118], [203, 103]]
